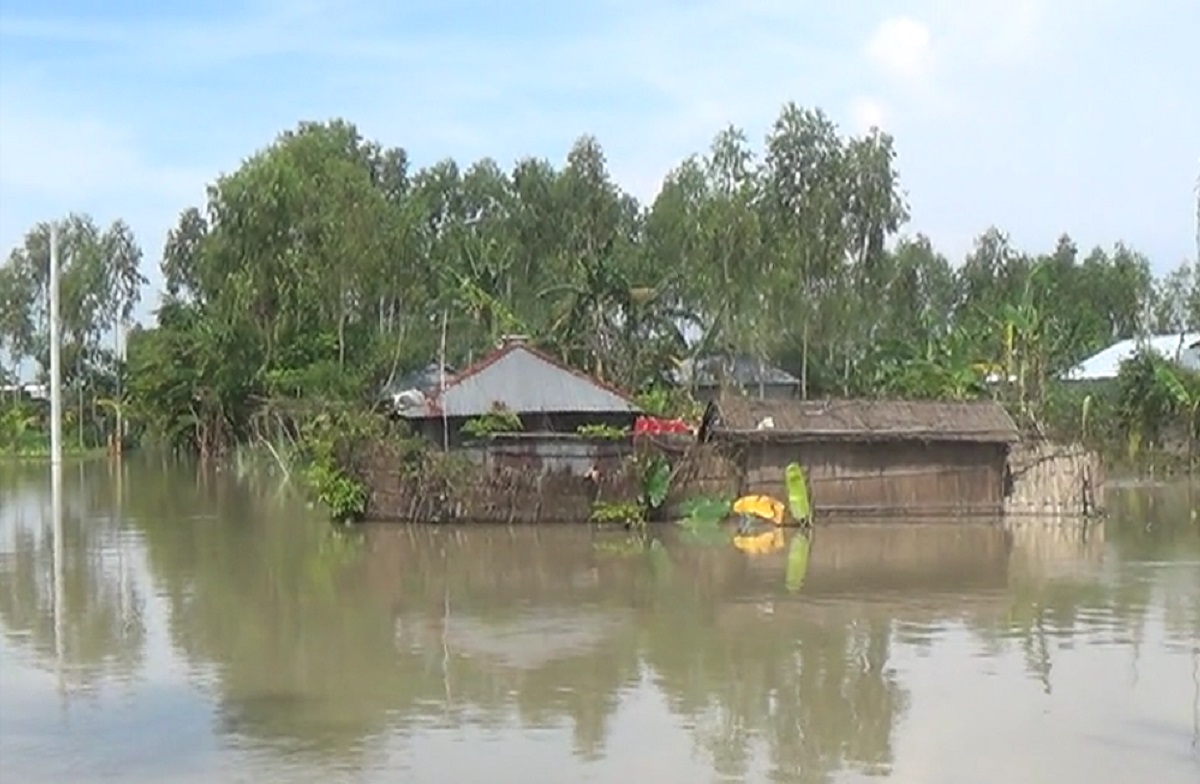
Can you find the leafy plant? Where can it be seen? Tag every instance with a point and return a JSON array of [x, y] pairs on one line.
[[622, 512], [667, 402], [495, 421], [343, 496], [15, 422], [330, 446], [797, 490], [1155, 396], [702, 520], [604, 432], [703, 511], [656, 482]]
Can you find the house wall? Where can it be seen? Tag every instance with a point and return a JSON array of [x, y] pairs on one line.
[[912, 479], [539, 477], [525, 479]]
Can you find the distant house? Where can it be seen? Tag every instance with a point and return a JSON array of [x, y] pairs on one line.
[[29, 391], [546, 394], [1183, 349], [753, 377], [870, 457], [411, 389]]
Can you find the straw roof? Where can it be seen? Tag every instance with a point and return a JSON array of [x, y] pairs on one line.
[[746, 418]]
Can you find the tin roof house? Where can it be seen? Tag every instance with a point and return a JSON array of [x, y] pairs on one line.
[[708, 377], [547, 395], [1181, 348]]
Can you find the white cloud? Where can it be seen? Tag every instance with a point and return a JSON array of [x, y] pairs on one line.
[[960, 85], [77, 160], [53, 163], [867, 113], [902, 48], [1002, 32]]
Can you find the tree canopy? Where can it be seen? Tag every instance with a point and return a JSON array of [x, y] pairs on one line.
[[326, 265]]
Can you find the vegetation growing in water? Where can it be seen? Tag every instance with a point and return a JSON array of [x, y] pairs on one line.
[[331, 445], [621, 512], [653, 473]]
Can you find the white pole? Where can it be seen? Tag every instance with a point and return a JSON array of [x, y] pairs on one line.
[[55, 355], [442, 385]]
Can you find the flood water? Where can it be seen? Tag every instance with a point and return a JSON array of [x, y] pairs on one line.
[[186, 627]]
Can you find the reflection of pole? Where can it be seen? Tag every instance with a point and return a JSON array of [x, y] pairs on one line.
[[56, 513], [55, 355], [1196, 696], [446, 646]]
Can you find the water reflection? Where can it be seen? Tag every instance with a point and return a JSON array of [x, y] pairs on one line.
[[65, 587], [287, 650]]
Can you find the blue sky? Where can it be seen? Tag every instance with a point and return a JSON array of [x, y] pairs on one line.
[[1038, 116]]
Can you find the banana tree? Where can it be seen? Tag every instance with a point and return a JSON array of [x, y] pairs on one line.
[[15, 422], [1186, 401]]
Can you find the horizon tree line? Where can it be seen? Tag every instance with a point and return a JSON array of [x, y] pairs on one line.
[[327, 265]]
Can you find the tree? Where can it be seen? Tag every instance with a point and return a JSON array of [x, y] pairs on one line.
[[325, 267]]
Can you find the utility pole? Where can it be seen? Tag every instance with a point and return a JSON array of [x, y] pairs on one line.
[[119, 334], [1197, 189], [55, 356]]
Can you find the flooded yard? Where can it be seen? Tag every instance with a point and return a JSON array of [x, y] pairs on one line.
[[186, 627]]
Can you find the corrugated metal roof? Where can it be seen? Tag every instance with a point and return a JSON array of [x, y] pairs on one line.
[[859, 420], [523, 380], [739, 370], [426, 380], [1183, 348]]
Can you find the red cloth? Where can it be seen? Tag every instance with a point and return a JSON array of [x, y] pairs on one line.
[[647, 425]]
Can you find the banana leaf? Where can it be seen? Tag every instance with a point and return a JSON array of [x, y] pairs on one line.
[[797, 490]]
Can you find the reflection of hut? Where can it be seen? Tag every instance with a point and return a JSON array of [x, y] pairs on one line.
[[871, 457], [1050, 549], [904, 558], [527, 642]]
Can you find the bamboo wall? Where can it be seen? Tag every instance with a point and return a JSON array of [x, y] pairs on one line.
[[897, 478], [538, 478], [535, 478], [1054, 481]]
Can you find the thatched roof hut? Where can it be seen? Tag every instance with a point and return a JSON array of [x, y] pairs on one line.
[[873, 457]]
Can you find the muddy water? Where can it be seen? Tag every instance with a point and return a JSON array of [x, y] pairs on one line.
[[190, 628]]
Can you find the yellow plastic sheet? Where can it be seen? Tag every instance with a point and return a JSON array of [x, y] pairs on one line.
[[763, 506]]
